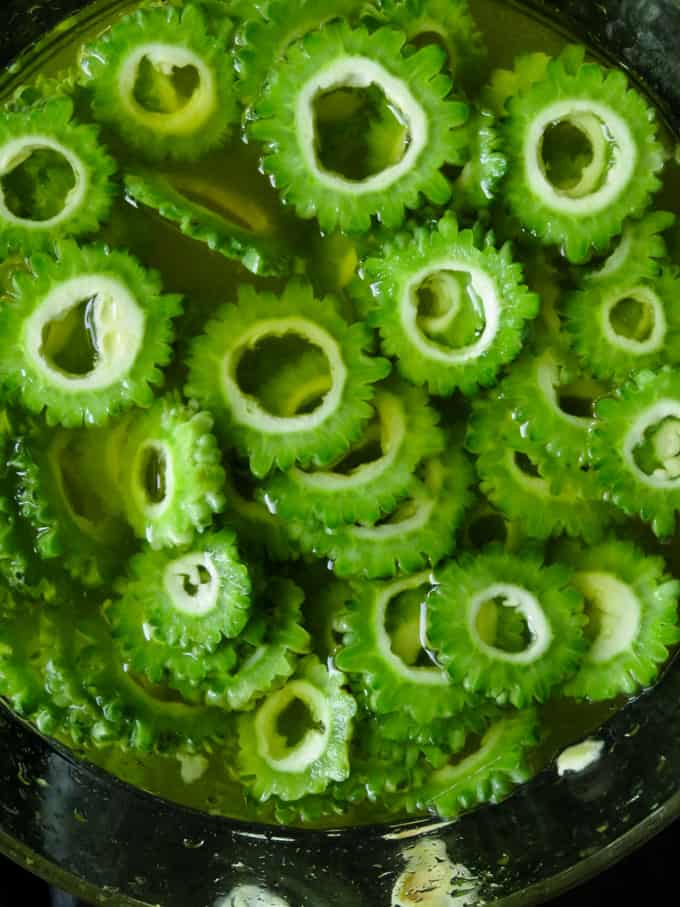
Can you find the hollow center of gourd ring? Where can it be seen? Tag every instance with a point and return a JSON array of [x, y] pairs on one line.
[[575, 154], [38, 186], [450, 311], [367, 450], [153, 476], [293, 724], [501, 624], [270, 372], [161, 87], [577, 398], [526, 465], [84, 497], [358, 131], [659, 453], [403, 623], [193, 583], [70, 343], [486, 528], [633, 318]]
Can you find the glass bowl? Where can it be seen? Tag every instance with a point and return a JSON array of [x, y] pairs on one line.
[[101, 839]]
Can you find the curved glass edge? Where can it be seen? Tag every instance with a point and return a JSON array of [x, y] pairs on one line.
[[100, 839]]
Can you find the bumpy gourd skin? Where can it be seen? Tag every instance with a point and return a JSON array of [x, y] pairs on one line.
[[625, 156], [312, 439], [86, 194], [406, 265], [335, 56], [133, 332], [147, 108], [632, 608]]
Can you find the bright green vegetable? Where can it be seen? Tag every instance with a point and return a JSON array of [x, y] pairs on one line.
[[451, 313], [163, 82], [636, 254], [303, 754], [55, 178], [361, 489], [632, 611], [578, 196], [553, 644], [335, 58], [85, 335], [269, 439]]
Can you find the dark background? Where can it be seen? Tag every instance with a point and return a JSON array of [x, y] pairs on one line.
[[654, 865]]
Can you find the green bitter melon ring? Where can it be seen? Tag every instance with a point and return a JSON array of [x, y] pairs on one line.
[[182, 125], [635, 448], [170, 477], [49, 127], [270, 765], [86, 537], [175, 197], [368, 654], [132, 333], [407, 433], [486, 775], [192, 597], [428, 259], [336, 57], [636, 254], [647, 337], [633, 605], [314, 438], [552, 610], [620, 176], [545, 499], [420, 531]]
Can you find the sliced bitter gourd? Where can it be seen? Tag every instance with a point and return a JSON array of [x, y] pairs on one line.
[[420, 531], [85, 334], [478, 298], [190, 598], [633, 324], [290, 755], [635, 448], [528, 485], [74, 517], [403, 433], [447, 22], [636, 254], [267, 652], [506, 83], [171, 477], [632, 611], [163, 82], [394, 669], [576, 200], [488, 774], [269, 29], [337, 57], [536, 391], [552, 610], [477, 185], [55, 178], [225, 222], [268, 439]]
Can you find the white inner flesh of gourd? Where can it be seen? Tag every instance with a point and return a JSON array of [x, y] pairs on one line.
[[654, 310], [246, 410], [392, 435], [306, 393], [16, 152], [426, 676], [618, 257], [487, 293], [313, 743], [359, 72], [528, 605], [618, 610], [535, 485], [423, 505], [449, 774], [186, 571], [611, 180], [166, 58], [118, 326], [666, 444], [153, 510], [548, 380]]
